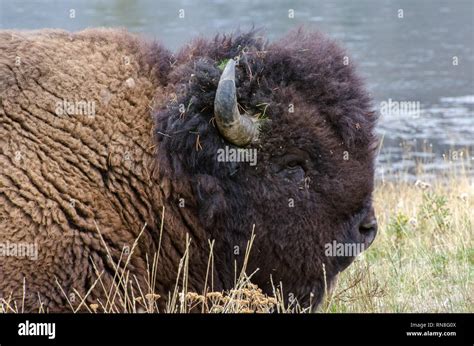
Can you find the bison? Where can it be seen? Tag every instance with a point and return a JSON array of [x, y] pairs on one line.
[[106, 136]]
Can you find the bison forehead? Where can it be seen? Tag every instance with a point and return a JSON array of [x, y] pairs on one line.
[[303, 78], [299, 85]]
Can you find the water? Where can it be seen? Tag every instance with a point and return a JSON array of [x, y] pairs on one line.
[[426, 57]]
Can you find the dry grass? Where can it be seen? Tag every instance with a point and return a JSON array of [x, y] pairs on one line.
[[126, 295]]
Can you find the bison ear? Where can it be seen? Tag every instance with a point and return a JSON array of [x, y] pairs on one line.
[[210, 199]]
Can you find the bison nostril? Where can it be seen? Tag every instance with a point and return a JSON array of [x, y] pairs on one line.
[[368, 226], [368, 230]]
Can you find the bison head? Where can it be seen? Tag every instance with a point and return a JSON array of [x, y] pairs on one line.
[[296, 129]]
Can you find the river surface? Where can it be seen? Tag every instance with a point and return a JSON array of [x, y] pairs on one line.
[[417, 57]]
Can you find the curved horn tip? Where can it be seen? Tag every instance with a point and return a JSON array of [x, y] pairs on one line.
[[229, 70]]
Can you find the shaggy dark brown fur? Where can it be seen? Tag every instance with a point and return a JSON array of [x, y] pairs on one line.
[[140, 152]]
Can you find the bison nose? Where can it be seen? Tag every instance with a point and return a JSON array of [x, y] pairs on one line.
[[368, 228]]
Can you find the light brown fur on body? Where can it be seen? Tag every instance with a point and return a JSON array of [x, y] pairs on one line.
[[61, 175]]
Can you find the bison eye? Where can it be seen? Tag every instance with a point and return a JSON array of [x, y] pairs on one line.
[[293, 164]]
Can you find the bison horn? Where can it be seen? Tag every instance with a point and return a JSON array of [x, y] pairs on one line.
[[237, 128]]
